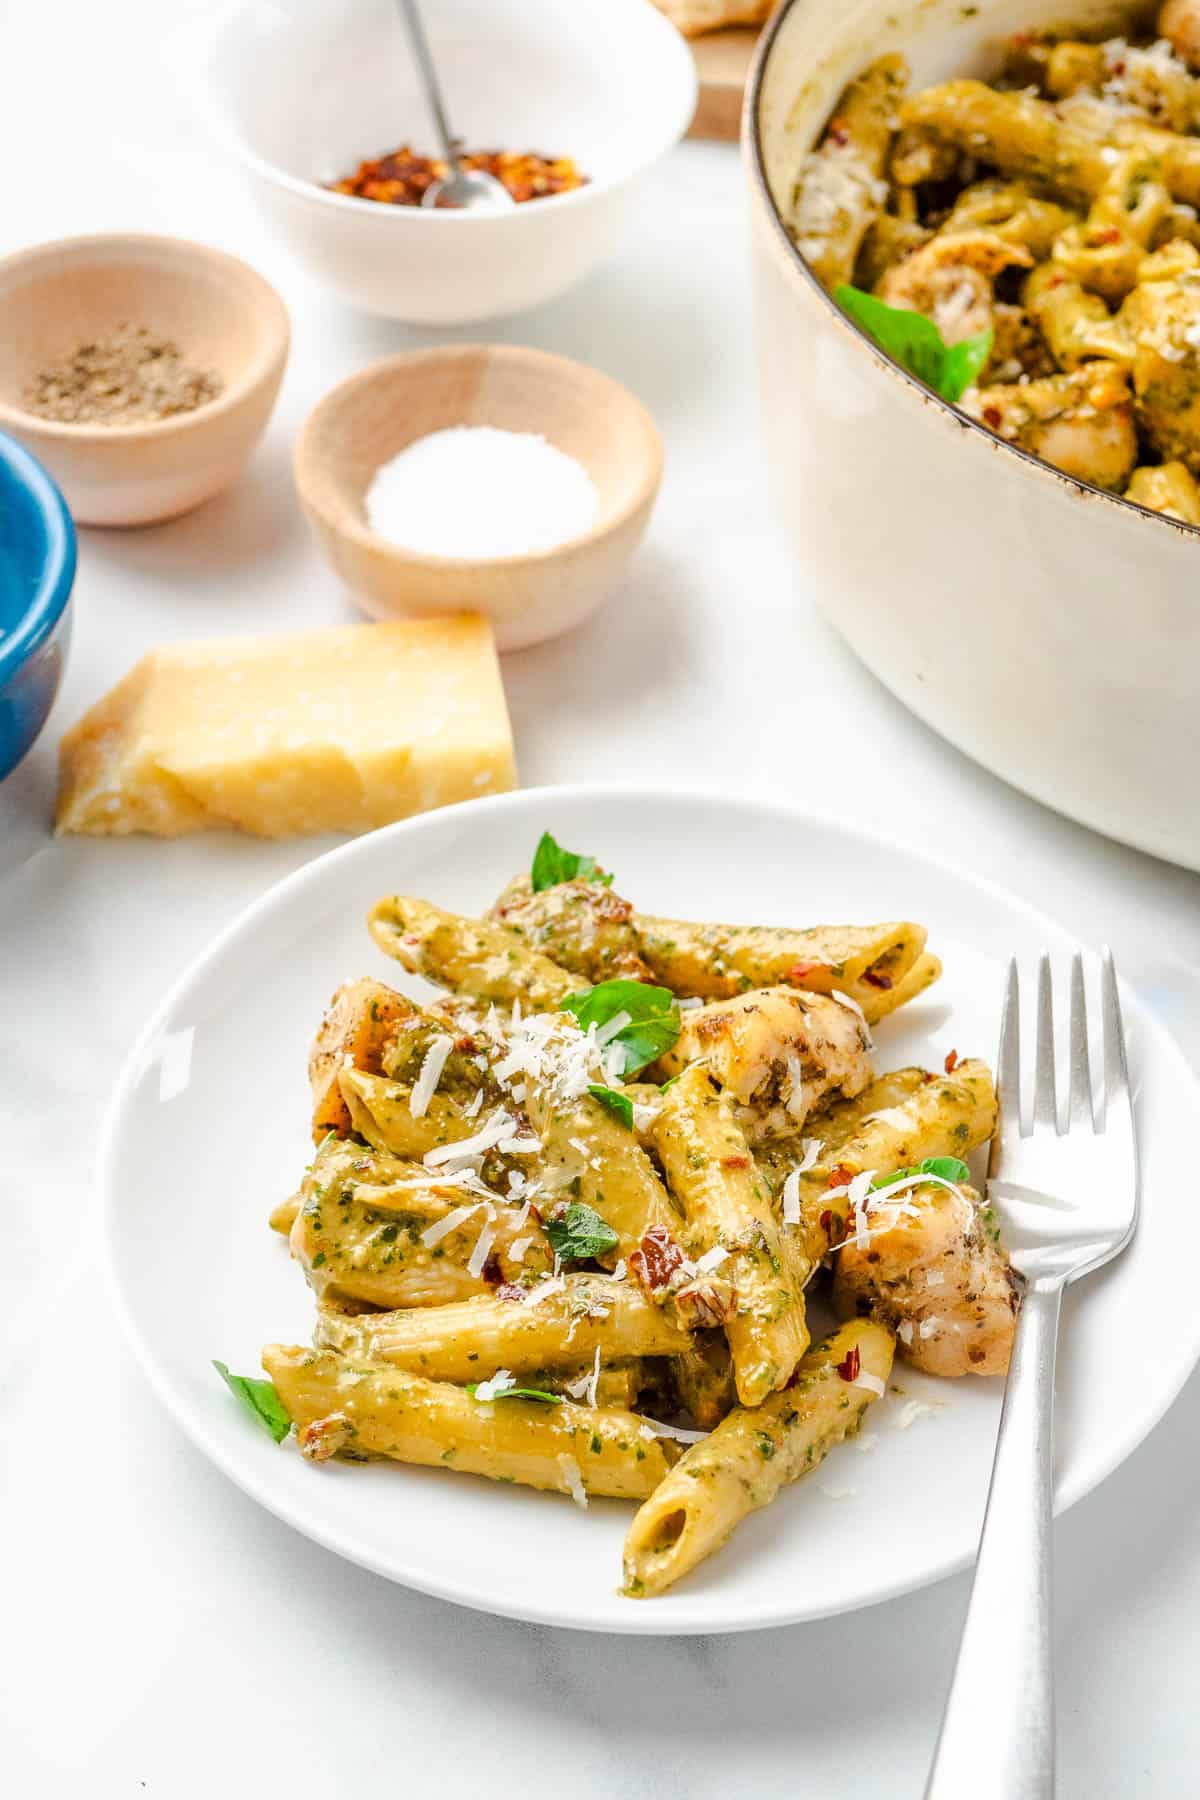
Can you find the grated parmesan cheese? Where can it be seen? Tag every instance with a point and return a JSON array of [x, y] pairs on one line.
[[433, 1234], [574, 1480], [499, 1383], [652, 1428], [712, 1259], [482, 1250], [425, 1086], [499, 1126]]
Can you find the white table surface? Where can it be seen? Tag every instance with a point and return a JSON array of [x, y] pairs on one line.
[[163, 1635]]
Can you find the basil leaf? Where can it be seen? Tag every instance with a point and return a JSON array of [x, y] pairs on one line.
[[964, 364], [552, 864], [916, 344], [617, 1103], [577, 1233], [949, 1168], [653, 1019], [518, 1393], [259, 1399]]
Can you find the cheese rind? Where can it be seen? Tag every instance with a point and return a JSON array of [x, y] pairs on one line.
[[337, 730]]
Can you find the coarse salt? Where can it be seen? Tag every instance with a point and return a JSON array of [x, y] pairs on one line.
[[475, 491]]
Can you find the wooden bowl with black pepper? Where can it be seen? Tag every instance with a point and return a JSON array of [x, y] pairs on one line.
[[139, 370]]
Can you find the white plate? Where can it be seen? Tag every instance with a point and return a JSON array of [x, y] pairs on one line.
[[209, 1128]]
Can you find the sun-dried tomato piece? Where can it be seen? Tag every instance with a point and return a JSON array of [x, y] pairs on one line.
[[656, 1259]]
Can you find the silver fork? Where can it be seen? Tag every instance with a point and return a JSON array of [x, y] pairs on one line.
[[1068, 1202]]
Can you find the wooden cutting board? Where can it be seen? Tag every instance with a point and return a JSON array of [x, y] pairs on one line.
[[722, 62]]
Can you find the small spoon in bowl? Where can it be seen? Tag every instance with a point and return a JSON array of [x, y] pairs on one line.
[[462, 189]]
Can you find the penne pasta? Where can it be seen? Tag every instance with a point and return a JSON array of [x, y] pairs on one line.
[[717, 962], [408, 1257], [590, 1157], [468, 956], [381, 1112], [753, 1454], [727, 1207], [342, 1408], [578, 1317], [355, 1031]]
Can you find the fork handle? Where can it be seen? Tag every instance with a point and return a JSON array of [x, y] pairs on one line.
[[997, 1736]]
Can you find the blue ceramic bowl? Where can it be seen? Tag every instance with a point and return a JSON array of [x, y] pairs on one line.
[[37, 572]]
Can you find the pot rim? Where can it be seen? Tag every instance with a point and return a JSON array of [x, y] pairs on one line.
[[755, 163]]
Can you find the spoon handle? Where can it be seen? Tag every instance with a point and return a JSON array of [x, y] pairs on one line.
[[433, 92]]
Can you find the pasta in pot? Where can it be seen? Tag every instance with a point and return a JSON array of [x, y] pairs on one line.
[[1044, 227]]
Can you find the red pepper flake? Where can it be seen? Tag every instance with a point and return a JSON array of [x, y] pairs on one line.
[[850, 1365], [826, 1220], [951, 1062], [837, 131], [799, 972], [841, 1175], [656, 1259], [1108, 234], [466, 1045], [735, 1162], [509, 1290], [992, 416], [927, 1076]]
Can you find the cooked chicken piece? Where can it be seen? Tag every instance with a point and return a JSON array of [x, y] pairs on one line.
[[934, 1273], [1081, 423], [778, 1052], [950, 279], [581, 925], [363, 1016]]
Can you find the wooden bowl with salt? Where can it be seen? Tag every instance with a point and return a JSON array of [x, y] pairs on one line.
[[529, 595], [214, 315]]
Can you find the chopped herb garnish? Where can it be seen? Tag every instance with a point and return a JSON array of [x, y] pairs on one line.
[[916, 344], [260, 1400], [614, 1102], [552, 864], [653, 1019], [576, 1233]]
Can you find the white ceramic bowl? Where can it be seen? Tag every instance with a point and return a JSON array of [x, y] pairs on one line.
[[303, 90], [1048, 629]]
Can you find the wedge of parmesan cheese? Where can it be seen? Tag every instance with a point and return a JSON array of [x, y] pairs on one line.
[[335, 730]]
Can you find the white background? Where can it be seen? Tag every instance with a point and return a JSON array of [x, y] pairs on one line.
[[162, 1635]]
